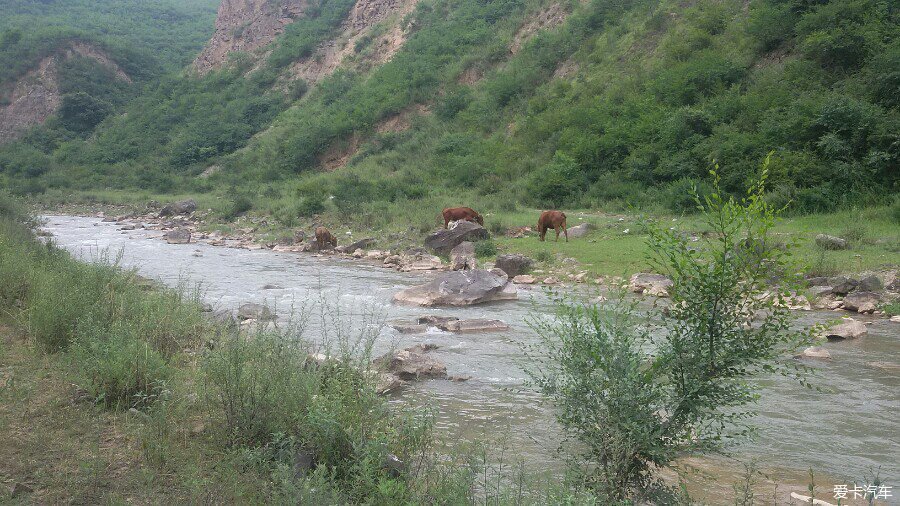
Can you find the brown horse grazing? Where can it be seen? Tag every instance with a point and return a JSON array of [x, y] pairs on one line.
[[324, 237], [554, 220], [461, 213]]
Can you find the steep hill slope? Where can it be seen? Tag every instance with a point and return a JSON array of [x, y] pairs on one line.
[[34, 97], [379, 103]]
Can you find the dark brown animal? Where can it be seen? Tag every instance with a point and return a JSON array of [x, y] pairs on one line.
[[461, 213], [555, 220], [324, 237]]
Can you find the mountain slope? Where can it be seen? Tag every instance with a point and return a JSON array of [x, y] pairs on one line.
[[562, 104]]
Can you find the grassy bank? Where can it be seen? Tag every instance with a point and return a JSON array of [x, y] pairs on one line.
[[111, 392], [171, 406], [617, 247]]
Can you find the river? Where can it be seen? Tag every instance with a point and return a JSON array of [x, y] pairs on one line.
[[846, 431]]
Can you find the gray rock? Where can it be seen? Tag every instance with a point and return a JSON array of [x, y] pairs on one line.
[[387, 383], [271, 286], [223, 317], [443, 241], [253, 311], [179, 236], [178, 208], [360, 244], [513, 264], [842, 285], [650, 284], [462, 257], [408, 328], [819, 291], [870, 284], [894, 286], [436, 320], [412, 364], [848, 329], [581, 230], [831, 242], [817, 281], [817, 352], [862, 302], [459, 288], [475, 325], [299, 236]]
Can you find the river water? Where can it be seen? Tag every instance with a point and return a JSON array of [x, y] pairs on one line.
[[847, 431]]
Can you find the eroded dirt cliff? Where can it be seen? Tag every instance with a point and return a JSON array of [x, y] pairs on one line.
[[247, 26], [35, 96]]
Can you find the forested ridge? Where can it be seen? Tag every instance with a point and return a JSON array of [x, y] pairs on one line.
[[614, 104]]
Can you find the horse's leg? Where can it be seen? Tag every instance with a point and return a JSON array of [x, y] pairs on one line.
[[565, 230], [556, 229]]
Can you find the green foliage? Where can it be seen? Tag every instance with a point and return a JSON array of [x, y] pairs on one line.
[[647, 102], [485, 249], [81, 112], [300, 39], [119, 369], [273, 400], [634, 411]]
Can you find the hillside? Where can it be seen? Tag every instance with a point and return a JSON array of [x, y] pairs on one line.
[[395, 105]]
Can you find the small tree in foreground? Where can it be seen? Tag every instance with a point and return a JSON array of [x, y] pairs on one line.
[[635, 397]]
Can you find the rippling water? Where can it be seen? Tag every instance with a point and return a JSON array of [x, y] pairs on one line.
[[847, 431]]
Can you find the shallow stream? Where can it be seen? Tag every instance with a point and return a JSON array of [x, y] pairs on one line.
[[847, 431]]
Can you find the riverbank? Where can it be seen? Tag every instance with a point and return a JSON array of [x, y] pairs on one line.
[[604, 248]]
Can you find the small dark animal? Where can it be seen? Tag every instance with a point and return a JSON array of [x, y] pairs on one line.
[[324, 237], [555, 220], [461, 213]]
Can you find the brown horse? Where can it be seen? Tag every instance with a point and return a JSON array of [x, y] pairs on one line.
[[554, 220], [461, 213], [324, 237]]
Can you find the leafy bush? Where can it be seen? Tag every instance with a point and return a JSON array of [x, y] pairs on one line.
[[634, 411], [268, 396], [119, 369], [485, 248]]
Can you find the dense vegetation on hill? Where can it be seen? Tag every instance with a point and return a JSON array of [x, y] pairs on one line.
[[625, 103], [171, 31]]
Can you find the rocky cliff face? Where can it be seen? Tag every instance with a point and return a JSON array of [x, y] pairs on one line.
[[34, 97], [341, 49], [247, 26]]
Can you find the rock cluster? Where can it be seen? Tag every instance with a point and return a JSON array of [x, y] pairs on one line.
[[460, 288]]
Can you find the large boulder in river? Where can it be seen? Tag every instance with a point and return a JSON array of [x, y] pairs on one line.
[[831, 242], [862, 302], [848, 329], [462, 257], [179, 236], [513, 264], [177, 208], [650, 284], [459, 288], [412, 364], [443, 241]]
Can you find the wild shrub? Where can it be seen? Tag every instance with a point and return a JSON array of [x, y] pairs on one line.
[[268, 396], [486, 248], [118, 368], [636, 398]]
